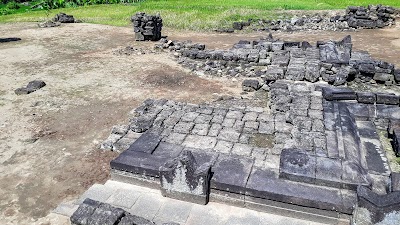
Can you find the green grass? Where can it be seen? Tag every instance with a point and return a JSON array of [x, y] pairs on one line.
[[192, 14]]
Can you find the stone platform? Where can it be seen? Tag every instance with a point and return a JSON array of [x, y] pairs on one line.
[[309, 152]]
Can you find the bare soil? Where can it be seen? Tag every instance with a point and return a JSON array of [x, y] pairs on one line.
[[49, 139]]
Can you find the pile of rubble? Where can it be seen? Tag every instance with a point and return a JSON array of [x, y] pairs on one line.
[[334, 61], [147, 27], [356, 17]]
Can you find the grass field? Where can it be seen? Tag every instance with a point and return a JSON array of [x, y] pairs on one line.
[[192, 14]]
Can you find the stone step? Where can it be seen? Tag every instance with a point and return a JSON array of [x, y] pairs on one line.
[[261, 185]]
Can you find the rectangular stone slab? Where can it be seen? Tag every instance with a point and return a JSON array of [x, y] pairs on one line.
[[297, 165], [366, 97], [338, 94], [374, 160], [388, 99], [146, 143], [167, 150], [230, 173], [328, 172], [138, 163], [262, 185]]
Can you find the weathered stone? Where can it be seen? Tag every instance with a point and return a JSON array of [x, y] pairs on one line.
[[147, 142], [31, 87], [106, 214], [231, 173], [84, 212], [389, 99], [338, 94], [250, 85], [297, 166], [182, 178], [64, 18], [132, 219], [366, 97]]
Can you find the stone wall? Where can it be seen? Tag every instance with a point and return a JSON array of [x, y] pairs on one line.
[[334, 61], [355, 17], [147, 27]]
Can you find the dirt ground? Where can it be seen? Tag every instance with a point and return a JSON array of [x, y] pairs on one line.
[[49, 139]]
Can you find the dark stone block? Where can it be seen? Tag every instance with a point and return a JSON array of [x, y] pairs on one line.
[[230, 173], [167, 150], [388, 99], [134, 220], [393, 124], [367, 69], [297, 165], [35, 85], [379, 206], [106, 214], [328, 172], [366, 97], [31, 87], [374, 160], [64, 18], [4, 40], [138, 163], [338, 94], [237, 26], [184, 179], [397, 75], [261, 185], [250, 85], [84, 212], [395, 184], [147, 142], [396, 141]]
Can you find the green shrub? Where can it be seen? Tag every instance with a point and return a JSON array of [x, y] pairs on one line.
[[5, 11], [12, 5]]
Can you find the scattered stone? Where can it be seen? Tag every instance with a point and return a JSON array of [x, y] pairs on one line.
[[31, 87], [64, 18]]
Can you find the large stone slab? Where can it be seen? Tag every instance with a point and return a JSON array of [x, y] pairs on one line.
[[146, 143], [338, 94], [139, 163], [230, 173], [262, 185], [297, 165], [328, 172]]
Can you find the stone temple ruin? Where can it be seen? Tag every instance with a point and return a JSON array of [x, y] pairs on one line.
[[315, 151], [147, 27]]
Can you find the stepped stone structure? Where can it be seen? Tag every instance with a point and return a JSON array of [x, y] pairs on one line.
[[319, 151]]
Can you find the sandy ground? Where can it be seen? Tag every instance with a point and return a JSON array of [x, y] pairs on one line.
[[49, 139]]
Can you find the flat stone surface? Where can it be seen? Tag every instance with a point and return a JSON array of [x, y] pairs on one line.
[[168, 150], [146, 143], [328, 172], [223, 146], [200, 142], [173, 211], [96, 192], [124, 198], [261, 185], [183, 127], [231, 173], [138, 163], [297, 165], [229, 134], [241, 149], [147, 205], [373, 157]]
